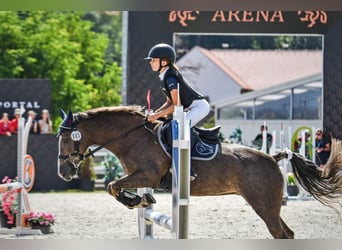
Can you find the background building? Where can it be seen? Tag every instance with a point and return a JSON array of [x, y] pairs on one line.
[[290, 107], [142, 34], [225, 73]]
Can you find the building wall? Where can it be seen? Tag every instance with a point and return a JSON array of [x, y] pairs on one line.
[[332, 93], [208, 78], [144, 33]]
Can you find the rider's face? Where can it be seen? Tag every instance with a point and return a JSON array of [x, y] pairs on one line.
[[155, 63]]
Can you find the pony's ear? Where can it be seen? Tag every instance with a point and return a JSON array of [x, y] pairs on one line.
[[70, 118], [63, 114]]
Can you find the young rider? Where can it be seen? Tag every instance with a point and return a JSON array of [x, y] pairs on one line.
[[162, 59]]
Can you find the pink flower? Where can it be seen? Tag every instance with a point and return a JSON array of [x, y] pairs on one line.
[[8, 201], [4, 180], [41, 218]]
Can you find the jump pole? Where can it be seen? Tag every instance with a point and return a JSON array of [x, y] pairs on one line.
[[25, 173], [303, 194], [178, 224], [264, 140]]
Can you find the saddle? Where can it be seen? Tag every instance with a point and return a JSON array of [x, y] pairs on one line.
[[209, 135], [204, 143]]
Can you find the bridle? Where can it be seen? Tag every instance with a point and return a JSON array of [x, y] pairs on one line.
[[76, 156], [76, 136]]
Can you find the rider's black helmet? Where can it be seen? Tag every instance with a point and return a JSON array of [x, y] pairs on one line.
[[163, 51]]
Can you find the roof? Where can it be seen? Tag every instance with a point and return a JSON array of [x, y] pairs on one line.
[[259, 69], [217, 59]]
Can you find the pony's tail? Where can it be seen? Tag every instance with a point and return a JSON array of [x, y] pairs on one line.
[[324, 185]]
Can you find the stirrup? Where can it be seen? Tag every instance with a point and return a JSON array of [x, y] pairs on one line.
[[193, 175]]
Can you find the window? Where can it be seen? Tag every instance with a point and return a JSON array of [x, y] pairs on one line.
[[273, 106], [240, 111], [299, 103], [307, 101]]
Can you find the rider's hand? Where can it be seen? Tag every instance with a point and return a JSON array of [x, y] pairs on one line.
[[152, 117]]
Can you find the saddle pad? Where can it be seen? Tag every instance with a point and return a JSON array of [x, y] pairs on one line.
[[199, 149]]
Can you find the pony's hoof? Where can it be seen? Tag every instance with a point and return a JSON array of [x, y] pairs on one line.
[[129, 199], [147, 199], [111, 190]]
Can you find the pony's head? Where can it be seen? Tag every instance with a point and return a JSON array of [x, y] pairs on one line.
[[69, 153]]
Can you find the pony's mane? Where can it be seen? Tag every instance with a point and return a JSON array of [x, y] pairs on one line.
[[134, 110]]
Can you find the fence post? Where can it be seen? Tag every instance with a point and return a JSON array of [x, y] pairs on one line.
[[23, 185], [181, 170], [178, 224], [145, 226]]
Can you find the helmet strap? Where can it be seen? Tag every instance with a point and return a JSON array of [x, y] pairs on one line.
[[161, 66]]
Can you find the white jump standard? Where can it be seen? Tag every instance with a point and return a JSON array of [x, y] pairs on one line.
[[178, 224], [25, 173]]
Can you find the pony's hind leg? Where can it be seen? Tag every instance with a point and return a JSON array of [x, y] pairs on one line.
[[289, 232], [276, 226], [268, 208]]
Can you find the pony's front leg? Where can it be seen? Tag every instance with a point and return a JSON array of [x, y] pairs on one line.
[[130, 200]]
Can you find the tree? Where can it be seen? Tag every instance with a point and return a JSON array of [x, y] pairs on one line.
[[63, 47], [108, 22], [186, 42]]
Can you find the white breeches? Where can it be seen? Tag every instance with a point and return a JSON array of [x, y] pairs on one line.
[[197, 111]]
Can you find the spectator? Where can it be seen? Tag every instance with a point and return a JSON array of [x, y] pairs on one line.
[[259, 138], [308, 145], [322, 148], [5, 125], [45, 124], [14, 121], [34, 126]]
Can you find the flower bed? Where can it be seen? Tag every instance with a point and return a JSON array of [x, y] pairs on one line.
[[9, 204], [41, 220]]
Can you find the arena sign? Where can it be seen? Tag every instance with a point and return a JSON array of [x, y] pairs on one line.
[[144, 29], [31, 94], [265, 16]]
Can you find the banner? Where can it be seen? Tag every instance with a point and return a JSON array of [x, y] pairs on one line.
[[31, 94]]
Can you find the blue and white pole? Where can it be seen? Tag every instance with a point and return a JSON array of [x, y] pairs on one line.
[[181, 172], [178, 223]]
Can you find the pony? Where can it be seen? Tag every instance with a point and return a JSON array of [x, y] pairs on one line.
[[236, 169]]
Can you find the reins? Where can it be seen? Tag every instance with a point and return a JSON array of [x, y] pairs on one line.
[[76, 137], [98, 148]]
